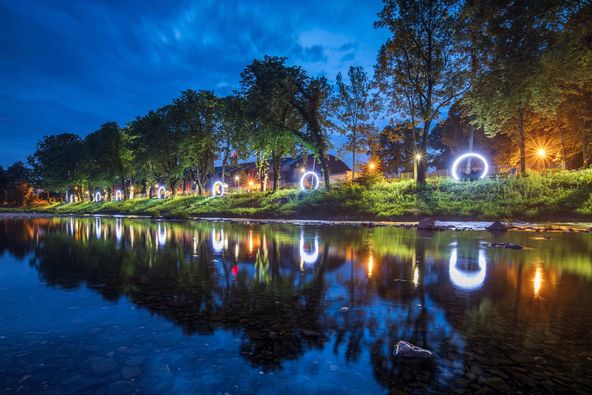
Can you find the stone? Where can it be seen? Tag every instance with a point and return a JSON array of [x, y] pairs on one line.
[[497, 227], [408, 350], [511, 246], [427, 224]]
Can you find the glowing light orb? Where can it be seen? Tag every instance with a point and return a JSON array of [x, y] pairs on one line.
[[464, 279], [98, 197], [161, 193], [218, 189], [315, 181], [118, 195], [469, 155], [309, 257]]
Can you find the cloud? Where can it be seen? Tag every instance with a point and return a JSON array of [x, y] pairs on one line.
[[70, 65]]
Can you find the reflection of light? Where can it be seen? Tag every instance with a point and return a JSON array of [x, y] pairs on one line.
[[98, 227], [315, 180], [370, 265], [161, 193], [118, 229], [416, 276], [131, 234], [469, 155], [537, 281], [162, 234], [217, 243], [309, 258], [465, 279], [236, 251], [234, 270], [250, 242], [71, 226], [195, 245]]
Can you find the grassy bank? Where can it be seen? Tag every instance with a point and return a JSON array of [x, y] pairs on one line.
[[557, 195]]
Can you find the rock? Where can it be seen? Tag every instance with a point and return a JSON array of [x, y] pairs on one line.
[[511, 246], [310, 333], [406, 349], [497, 227], [427, 224]]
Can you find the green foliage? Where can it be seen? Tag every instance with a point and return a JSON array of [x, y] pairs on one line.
[[562, 194]]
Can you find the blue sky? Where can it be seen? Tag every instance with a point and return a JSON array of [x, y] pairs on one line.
[[68, 66]]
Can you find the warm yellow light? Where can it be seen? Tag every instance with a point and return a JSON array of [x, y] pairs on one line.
[[418, 157], [370, 266], [537, 281], [236, 178], [251, 183], [416, 276], [302, 170], [371, 165], [541, 152]]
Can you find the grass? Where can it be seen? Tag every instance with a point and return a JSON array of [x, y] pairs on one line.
[[553, 195]]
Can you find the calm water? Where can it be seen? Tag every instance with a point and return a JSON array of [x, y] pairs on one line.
[[101, 306]]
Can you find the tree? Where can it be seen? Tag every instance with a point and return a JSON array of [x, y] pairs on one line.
[[109, 157], [354, 108], [232, 135], [510, 90], [56, 163], [418, 70], [266, 88], [17, 188], [157, 142]]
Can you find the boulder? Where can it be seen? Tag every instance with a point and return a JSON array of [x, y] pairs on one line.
[[511, 246], [497, 227], [408, 350], [427, 224]]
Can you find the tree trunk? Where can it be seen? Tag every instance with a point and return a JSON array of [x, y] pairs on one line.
[[562, 140], [354, 156], [326, 170], [471, 139], [276, 160], [522, 142], [173, 186]]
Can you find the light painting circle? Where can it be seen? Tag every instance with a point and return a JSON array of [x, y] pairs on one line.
[[118, 195], [315, 183], [98, 197], [161, 193], [218, 189], [469, 155]]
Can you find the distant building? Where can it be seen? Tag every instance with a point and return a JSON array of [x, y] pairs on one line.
[[243, 174]]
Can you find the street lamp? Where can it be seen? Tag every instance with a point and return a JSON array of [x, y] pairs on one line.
[[371, 166], [417, 158], [236, 180]]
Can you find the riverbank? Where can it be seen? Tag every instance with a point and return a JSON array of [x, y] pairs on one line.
[[557, 197]]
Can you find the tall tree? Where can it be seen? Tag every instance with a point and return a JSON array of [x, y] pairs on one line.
[[265, 87], [419, 70], [354, 109], [509, 92]]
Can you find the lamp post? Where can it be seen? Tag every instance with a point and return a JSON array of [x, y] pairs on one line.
[[236, 180], [416, 159]]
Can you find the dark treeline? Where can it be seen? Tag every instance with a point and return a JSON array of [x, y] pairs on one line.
[[511, 79]]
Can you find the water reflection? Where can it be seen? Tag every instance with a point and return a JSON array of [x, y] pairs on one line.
[[279, 296]]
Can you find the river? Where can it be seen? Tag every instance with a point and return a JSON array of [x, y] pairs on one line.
[[112, 305]]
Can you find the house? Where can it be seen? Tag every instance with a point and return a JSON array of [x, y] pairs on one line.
[[244, 175]]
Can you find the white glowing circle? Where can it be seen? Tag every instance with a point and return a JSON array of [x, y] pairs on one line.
[[464, 279], [69, 197], [162, 234], [469, 155], [98, 197], [309, 258], [217, 242], [118, 195], [218, 189], [315, 183], [161, 193]]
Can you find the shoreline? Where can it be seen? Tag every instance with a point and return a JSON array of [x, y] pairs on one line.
[[444, 223]]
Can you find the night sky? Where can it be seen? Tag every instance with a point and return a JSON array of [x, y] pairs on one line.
[[68, 66]]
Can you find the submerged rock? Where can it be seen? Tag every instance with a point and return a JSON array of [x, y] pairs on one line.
[[427, 224], [497, 227], [406, 349], [511, 246]]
